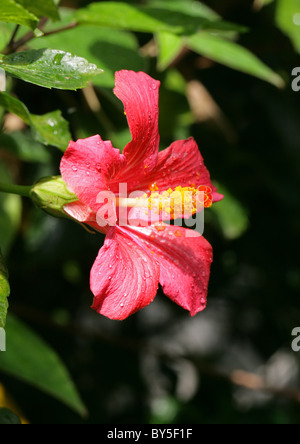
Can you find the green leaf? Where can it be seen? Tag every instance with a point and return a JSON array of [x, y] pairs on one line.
[[111, 49], [233, 55], [288, 20], [4, 292], [232, 216], [24, 147], [50, 129], [10, 213], [30, 359], [15, 106], [8, 417], [13, 12], [6, 30], [123, 16], [50, 68], [148, 19], [190, 7], [10, 218], [41, 8], [170, 46]]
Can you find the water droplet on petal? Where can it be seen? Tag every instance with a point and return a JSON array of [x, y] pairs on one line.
[[122, 305], [74, 169]]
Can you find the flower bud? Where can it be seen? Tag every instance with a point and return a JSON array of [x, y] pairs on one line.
[[51, 195]]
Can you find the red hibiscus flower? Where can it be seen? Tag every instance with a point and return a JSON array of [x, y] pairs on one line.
[[139, 256]]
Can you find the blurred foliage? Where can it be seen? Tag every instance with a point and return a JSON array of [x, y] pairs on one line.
[[8, 417], [4, 292], [225, 71]]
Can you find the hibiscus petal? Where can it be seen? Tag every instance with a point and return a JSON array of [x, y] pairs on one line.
[[139, 94], [180, 165], [185, 259], [79, 211], [124, 277], [83, 214], [88, 166]]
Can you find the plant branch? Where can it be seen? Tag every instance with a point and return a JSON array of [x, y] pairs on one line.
[[14, 46], [12, 40], [62, 29]]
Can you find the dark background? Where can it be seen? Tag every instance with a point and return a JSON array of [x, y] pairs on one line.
[[160, 365]]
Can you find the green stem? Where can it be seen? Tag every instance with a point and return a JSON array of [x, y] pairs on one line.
[[15, 189], [14, 46], [12, 40]]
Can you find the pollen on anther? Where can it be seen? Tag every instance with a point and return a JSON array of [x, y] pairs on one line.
[[178, 233], [182, 200], [153, 187], [160, 227]]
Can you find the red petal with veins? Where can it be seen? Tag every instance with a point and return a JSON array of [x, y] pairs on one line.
[[180, 165], [83, 214], [88, 166], [79, 211], [124, 277], [185, 259], [139, 94]]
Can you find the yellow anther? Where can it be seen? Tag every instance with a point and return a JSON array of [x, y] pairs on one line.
[[153, 187], [176, 203], [181, 200]]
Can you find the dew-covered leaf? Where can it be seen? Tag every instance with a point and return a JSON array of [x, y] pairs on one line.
[[50, 68]]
